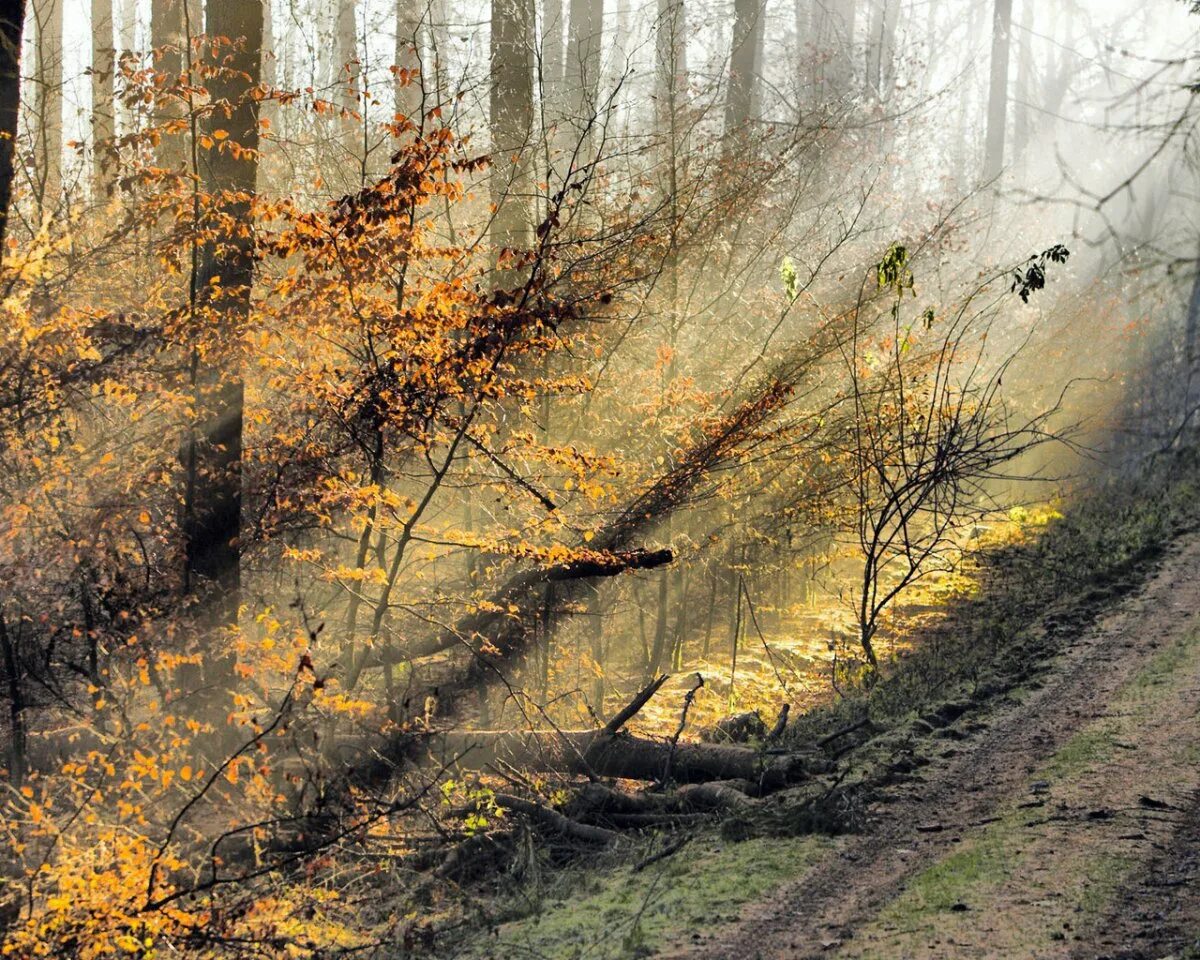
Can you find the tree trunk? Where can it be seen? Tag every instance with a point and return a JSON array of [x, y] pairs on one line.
[[17, 747], [581, 76], [744, 58], [659, 645], [12, 29], [1023, 122], [881, 49], [212, 523], [103, 105], [803, 24], [347, 78], [672, 68], [167, 38], [552, 50], [838, 37], [997, 118], [584, 752], [410, 81], [48, 104], [512, 127]]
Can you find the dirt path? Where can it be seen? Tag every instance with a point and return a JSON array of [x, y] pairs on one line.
[[1066, 827]]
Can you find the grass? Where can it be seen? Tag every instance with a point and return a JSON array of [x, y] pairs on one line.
[[977, 873], [621, 913], [1033, 596]]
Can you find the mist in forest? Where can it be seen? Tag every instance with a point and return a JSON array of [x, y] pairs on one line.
[[417, 411]]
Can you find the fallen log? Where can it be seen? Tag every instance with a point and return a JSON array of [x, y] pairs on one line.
[[621, 756], [718, 795]]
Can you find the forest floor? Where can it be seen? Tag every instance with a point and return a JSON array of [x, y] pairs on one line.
[[1061, 821]]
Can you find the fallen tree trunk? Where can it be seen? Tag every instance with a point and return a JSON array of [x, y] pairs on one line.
[[622, 756]]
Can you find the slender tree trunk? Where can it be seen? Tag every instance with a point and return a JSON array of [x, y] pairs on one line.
[[803, 14], [1023, 122], [744, 60], [212, 525], [348, 73], [997, 118], [659, 645], [167, 38], [48, 104], [17, 748], [512, 127], [103, 103], [1192, 325], [597, 613], [553, 21], [410, 80], [840, 17], [12, 28], [581, 76]]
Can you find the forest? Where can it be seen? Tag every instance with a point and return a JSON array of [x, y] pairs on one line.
[[599, 478]]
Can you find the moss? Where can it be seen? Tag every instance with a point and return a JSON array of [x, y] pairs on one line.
[[622, 914]]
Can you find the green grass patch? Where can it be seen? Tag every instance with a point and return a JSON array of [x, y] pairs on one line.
[[622, 914]]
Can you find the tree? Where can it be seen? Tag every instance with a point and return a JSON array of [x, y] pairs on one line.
[[48, 104], [12, 28], [929, 434], [103, 106], [997, 115], [346, 63], [511, 126], [745, 53], [225, 274], [881, 48], [410, 81], [581, 76], [168, 36], [552, 59]]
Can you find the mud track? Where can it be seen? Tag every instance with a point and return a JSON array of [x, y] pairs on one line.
[[1066, 826]]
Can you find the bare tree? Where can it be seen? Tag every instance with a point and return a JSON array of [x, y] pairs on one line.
[[346, 63], [930, 432]]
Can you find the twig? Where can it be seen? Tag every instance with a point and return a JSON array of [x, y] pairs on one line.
[[631, 709], [670, 850], [687, 704]]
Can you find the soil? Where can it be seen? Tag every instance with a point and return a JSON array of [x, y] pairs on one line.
[[1066, 823]]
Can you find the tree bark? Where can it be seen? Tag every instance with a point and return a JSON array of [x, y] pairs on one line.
[[512, 128], [997, 118], [347, 79], [744, 59], [581, 75], [12, 29], [626, 757], [552, 49], [212, 522], [410, 80], [167, 38], [103, 104], [48, 105]]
